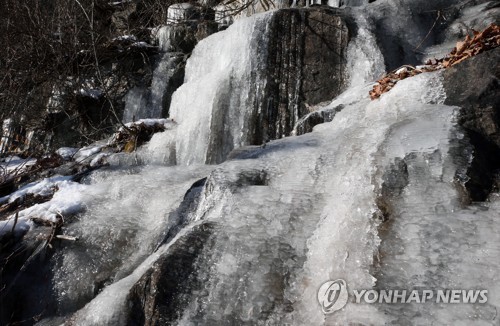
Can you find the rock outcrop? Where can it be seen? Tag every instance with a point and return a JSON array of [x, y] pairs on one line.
[[165, 289], [307, 55], [473, 85]]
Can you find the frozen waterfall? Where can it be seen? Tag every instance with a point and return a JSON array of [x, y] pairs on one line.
[[153, 102], [251, 239], [218, 101]]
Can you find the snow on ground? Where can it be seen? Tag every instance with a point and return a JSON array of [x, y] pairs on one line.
[[42, 188], [67, 153], [14, 164], [86, 152], [150, 122], [66, 200]]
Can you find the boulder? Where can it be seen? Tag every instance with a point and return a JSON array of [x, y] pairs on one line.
[[166, 288]]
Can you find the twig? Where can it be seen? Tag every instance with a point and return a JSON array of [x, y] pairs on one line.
[[90, 20], [66, 237], [429, 33]]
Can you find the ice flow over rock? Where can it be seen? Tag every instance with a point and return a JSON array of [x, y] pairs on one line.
[[369, 197]]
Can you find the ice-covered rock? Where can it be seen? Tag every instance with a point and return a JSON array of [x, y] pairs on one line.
[[307, 123], [298, 212], [373, 197], [176, 41]]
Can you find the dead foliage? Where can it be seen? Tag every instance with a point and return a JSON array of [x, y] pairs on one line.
[[387, 82], [472, 45], [127, 140]]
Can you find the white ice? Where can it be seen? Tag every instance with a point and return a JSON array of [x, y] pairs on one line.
[[217, 99]]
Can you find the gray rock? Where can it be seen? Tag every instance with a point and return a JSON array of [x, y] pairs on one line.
[[167, 287], [307, 55], [474, 85]]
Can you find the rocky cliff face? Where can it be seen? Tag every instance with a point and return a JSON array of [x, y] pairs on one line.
[[307, 66], [474, 86]]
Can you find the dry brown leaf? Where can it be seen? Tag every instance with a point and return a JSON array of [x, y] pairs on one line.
[[488, 39], [460, 60], [460, 47]]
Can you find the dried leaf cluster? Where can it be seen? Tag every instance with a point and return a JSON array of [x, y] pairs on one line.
[[469, 47]]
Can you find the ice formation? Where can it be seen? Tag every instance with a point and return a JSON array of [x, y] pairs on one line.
[[291, 215], [180, 12], [215, 104]]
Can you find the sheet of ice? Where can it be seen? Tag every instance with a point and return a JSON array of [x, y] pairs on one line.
[[126, 214], [366, 62], [215, 102], [135, 104], [148, 103], [319, 204], [434, 244], [310, 218]]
